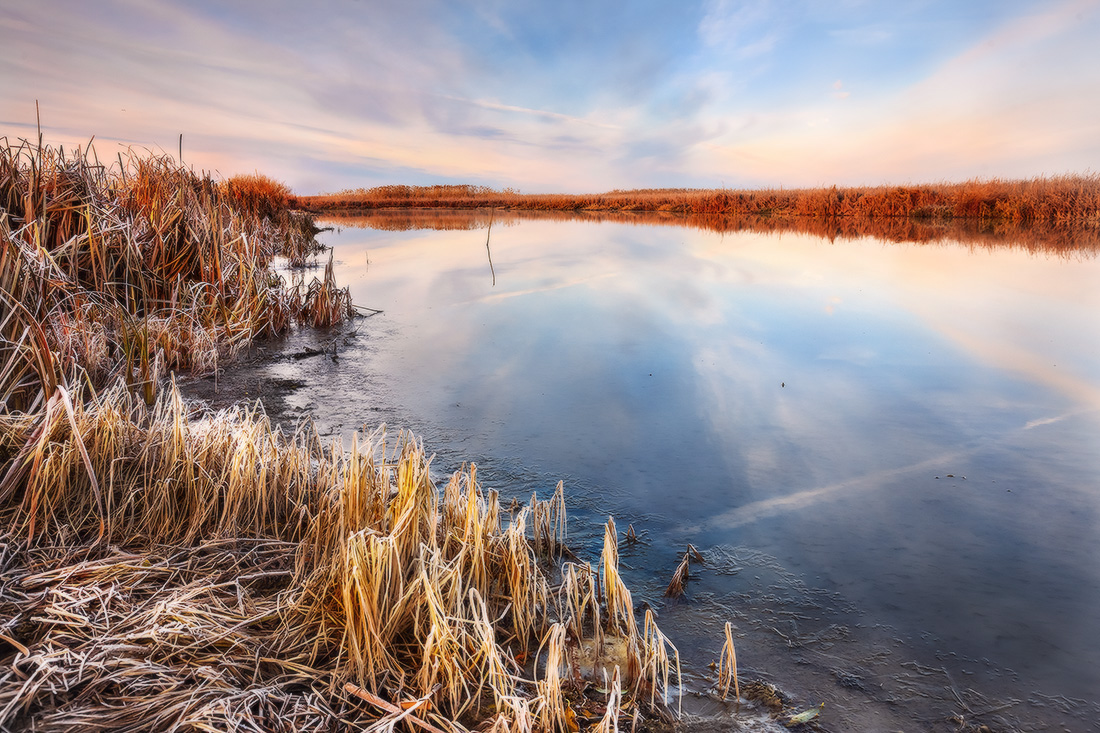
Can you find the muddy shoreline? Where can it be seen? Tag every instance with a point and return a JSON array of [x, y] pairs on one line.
[[852, 669]]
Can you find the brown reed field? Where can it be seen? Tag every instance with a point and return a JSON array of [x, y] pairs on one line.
[[1047, 199], [163, 567]]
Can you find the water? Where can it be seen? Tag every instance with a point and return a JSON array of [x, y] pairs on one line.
[[888, 452]]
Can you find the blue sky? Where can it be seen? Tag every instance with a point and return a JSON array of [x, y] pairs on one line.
[[566, 96]]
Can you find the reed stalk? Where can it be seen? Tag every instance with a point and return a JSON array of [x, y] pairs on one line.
[[727, 666]]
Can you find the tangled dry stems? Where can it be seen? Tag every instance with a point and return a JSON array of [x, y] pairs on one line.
[[164, 569], [137, 269]]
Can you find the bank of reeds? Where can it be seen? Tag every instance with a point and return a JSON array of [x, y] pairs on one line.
[[162, 570], [138, 267], [1047, 199], [167, 569]]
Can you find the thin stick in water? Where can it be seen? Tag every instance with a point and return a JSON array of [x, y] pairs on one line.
[[489, 251]]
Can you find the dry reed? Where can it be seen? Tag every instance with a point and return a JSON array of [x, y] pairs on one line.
[[210, 571], [680, 576], [727, 666]]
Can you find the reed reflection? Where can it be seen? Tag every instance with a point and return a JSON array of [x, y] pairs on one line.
[[1081, 237]]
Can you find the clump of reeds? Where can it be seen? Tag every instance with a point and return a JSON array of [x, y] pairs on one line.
[[323, 303], [682, 573], [262, 198], [257, 195], [680, 576], [211, 571], [136, 269]]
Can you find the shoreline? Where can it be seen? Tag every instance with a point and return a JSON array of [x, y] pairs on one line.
[[207, 569], [219, 560], [1035, 236]]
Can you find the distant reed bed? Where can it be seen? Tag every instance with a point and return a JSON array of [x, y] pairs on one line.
[[1050, 199]]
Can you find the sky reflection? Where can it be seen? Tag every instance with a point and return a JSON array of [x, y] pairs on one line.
[[820, 402]]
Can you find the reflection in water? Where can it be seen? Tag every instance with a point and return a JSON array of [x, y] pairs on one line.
[[887, 451], [1072, 238]]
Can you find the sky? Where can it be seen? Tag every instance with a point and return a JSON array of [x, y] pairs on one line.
[[565, 96]]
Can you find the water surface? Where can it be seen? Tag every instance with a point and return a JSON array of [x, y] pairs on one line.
[[887, 451]]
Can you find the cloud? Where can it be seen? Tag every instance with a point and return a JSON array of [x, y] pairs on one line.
[[569, 96], [742, 30], [838, 90], [537, 113], [1013, 104]]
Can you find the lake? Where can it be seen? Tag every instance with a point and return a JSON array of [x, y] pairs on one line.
[[887, 452]]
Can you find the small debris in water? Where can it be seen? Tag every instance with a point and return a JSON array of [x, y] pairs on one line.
[[766, 694], [805, 716]]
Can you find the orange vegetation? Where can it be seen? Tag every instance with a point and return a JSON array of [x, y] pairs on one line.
[[1035, 236], [139, 269], [1053, 199], [256, 194]]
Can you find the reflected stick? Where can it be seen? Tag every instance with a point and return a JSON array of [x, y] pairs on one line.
[[489, 251]]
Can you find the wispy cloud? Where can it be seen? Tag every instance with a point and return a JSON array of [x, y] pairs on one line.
[[538, 113]]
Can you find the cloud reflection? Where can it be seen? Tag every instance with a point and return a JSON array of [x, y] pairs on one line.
[[801, 500]]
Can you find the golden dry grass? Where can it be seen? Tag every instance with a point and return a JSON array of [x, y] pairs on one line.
[[257, 194], [138, 269], [210, 571]]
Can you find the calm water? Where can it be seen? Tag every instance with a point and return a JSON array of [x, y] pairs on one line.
[[888, 452]]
